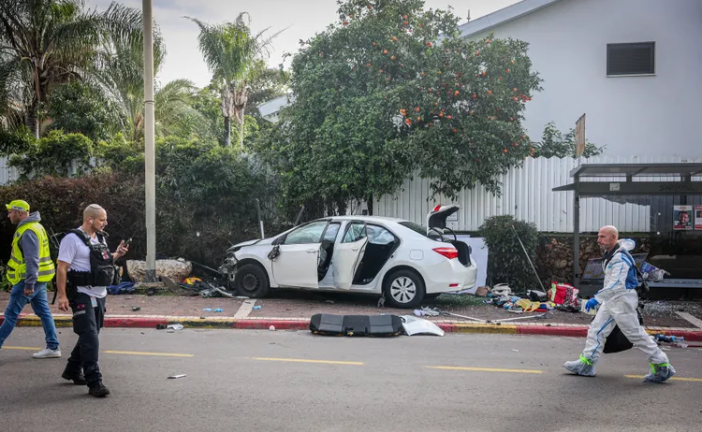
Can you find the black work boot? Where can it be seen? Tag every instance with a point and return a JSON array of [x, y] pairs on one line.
[[98, 390], [77, 378]]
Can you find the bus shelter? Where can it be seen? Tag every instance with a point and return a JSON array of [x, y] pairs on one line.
[[638, 184]]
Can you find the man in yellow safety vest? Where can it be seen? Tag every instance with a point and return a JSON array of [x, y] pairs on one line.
[[30, 268]]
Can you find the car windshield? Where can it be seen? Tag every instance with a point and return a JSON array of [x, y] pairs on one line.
[[419, 229]]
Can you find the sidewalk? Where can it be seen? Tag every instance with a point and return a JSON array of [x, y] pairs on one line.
[[290, 310]]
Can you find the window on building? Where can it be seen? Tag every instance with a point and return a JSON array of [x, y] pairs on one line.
[[631, 59]]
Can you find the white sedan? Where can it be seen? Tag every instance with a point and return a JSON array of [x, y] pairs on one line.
[[399, 259]]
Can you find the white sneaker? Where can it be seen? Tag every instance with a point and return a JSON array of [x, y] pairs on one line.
[[47, 353]]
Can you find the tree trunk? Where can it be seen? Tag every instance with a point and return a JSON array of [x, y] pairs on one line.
[[241, 130], [33, 118], [227, 106], [227, 131]]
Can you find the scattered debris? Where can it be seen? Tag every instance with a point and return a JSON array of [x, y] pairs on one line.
[[136, 308], [271, 328], [329, 301], [515, 350], [219, 310], [381, 302], [176, 327], [123, 288], [177, 376], [207, 309], [426, 311], [257, 307], [414, 326]]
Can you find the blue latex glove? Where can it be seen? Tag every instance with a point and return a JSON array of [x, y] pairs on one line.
[[591, 304]]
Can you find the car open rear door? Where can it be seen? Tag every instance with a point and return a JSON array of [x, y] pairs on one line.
[[348, 254]]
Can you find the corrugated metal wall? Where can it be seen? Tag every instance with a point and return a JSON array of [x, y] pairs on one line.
[[527, 195]]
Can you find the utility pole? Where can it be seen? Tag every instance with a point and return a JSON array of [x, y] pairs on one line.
[[149, 137]]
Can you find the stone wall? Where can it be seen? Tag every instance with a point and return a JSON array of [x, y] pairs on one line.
[[554, 254]]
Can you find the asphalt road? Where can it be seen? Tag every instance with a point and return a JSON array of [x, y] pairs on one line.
[[295, 381]]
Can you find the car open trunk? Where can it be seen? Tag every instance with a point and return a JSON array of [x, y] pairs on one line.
[[436, 219]]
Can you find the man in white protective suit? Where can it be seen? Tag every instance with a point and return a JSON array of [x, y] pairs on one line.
[[617, 302]]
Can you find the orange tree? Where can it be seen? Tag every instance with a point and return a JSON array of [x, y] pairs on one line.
[[392, 90]]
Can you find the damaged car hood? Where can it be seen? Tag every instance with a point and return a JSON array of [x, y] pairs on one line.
[[257, 242]]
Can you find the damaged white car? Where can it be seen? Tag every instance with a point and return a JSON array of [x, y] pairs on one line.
[[398, 259]]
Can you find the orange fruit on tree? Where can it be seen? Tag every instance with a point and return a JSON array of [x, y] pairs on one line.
[[405, 17], [507, 70], [392, 58], [417, 109], [477, 53], [394, 38], [406, 23], [489, 92], [345, 23], [385, 51], [504, 151], [456, 93]]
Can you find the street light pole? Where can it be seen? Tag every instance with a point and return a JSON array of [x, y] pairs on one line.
[[149, 134]]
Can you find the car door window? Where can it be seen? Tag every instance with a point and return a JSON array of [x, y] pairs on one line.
[[356, 231], [310, 233], [331, 232], [379, 235]]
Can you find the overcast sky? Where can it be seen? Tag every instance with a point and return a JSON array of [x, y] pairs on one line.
[[304, 18]]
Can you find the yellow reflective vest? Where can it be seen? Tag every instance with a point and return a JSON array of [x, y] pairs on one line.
[[17, 268]]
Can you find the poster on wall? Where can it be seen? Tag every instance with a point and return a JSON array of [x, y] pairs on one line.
[[682, 217], [698, 217]]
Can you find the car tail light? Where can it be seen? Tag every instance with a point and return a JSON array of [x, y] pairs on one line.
[[448, 252]]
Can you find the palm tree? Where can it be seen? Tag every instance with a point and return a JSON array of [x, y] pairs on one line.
[[44, 43], [233, 55], [120, 75]]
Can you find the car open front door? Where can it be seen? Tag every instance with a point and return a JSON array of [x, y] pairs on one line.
[[347, 255], [298, 257]]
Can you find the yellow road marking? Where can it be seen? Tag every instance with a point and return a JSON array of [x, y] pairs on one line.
[[670, 379], [309, 361], [138, 353], [478, 369], [22, 348]]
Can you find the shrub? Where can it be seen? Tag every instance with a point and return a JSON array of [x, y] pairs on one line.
[[506, 260]]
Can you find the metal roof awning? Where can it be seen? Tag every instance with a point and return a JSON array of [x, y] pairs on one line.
[[635, 179]]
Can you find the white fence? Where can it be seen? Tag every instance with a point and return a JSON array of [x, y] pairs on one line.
[[527, 195], [7, 174]]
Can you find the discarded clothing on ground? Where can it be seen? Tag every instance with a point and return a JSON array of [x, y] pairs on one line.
[[563, 294], [123, 288], [356, 325]]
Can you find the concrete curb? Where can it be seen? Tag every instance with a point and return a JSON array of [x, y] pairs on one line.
[[690, 334]]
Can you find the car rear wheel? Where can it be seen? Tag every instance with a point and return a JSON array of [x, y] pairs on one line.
[[404, 289], [251, 281]]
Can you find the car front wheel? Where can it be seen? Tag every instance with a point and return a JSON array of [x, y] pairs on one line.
[[251, 281], [404, 289]]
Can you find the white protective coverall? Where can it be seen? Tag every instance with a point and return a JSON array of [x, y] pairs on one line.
[[618, 302]]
